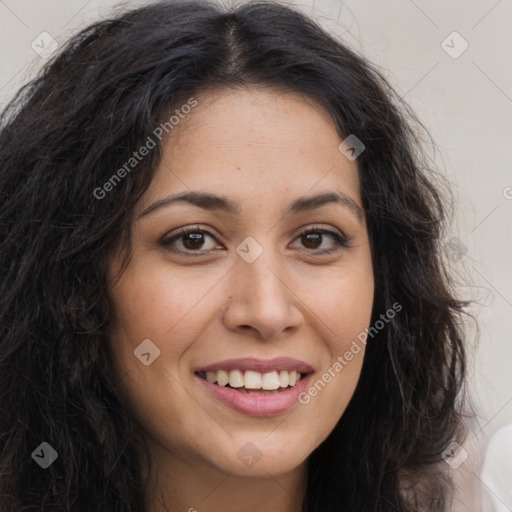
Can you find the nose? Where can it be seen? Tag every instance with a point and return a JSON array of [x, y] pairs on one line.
[[262, 299]]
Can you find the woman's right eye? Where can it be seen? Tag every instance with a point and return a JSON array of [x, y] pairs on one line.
[[191, 240]]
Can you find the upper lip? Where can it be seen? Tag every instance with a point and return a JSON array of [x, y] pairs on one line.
[[259, 365]]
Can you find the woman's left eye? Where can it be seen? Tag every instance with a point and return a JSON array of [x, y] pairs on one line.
[[313, 238], [191, 240]]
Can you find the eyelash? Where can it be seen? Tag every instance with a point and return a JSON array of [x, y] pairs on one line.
[[341, 241]]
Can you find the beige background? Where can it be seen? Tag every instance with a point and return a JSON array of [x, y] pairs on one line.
[[465, 102]]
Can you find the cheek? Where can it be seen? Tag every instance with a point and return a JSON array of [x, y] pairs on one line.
[[343, 311], [343, 305], [171, 310], [158, 304], [151, 306]]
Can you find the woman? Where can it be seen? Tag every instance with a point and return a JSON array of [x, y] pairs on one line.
[[222, 285]]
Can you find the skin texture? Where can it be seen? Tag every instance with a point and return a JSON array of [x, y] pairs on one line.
[[263, 149]]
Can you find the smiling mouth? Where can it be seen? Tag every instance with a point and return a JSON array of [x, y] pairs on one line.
[[251, 382]]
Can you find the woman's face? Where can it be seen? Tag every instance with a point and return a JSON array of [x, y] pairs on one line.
[[246, 284]]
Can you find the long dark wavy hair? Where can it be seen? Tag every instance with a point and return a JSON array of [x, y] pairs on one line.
[[65, 134]]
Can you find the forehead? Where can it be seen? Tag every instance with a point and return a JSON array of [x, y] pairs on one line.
[[228, 117], [255, 144]]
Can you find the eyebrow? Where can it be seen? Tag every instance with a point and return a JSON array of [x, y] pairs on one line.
[[213, 202]]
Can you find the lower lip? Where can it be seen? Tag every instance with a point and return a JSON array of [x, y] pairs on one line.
[[258, 405]]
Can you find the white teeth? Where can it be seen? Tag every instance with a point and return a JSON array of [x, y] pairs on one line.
[[270, 381], [252, 380], [236, 379], [249, 380], [222, 377], [211, 377]]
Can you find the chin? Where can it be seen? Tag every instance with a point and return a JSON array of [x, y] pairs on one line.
[[261, 456]]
